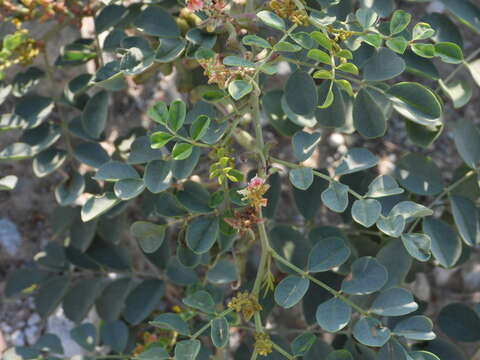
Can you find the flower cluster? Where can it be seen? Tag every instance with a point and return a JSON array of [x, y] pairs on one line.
[[243, 219], [288, 9], [245, 303], [147, 338], [254, 192], [263, 344], [218, 73]]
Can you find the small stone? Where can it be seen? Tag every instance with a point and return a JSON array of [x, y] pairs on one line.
[[20, 324], [17, 338], [33, 319], [342, 149], [31, 334], [10, 239], [336, 139], [7, 329]]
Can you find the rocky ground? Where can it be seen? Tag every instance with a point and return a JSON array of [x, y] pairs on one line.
[[25, 212]]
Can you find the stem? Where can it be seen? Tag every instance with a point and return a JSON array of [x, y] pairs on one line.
[[270, 53], [208, 324], [458, 68], [99, 49], [318, 282], [63, 121], [315, 172], [283, 352], [443, 194]]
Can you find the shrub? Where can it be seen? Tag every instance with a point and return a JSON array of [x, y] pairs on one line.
[[209, 252]]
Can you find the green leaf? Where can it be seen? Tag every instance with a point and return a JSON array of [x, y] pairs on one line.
[[47, 162], [474, 68], [373, 39], [21, 279], [115, 335], [348, 68], [223, 272], [70, 189], [153, 20], [424, 50], [328, 253], [356, 159], [201, 300], [285, 46], [158, 175], [384, 65], [319, 56], [399, 21], [220, 332], [419, 175], [304, 144], [339, 355], [335, 197], [421, 135], [50, 294], [16, 151], [149, 236], [409, 210], [397, 44], [383, 185], [449, 52], [182, 151], [143, 300], [322, 40], [367, 276], [415, 328], [422, 31], [417, 245], [254, 40], [80, 298], [158, 113], [290, 291], [394, 302], [91, 153], [467, 142], [368, 118], [111, 302], [8, 182], [366, 212], [301, 93], [303, 39], [301, 178], [169, 49], [159, 139], [154, 351], [366, 17], [98, 205], [49, 343], [333, 315], [271, 20], [202, 233], [415, 102], [127, 189], [177, 113], [239, 88], [370, 331], [446, 245], [187, 350], [199, 127], [465, 214], [392, 225], [109, 16], [115, 170], [460, 322], [95, 114], [85, 335], [302, 343], [194, 197], [459, 91], [171, 321]]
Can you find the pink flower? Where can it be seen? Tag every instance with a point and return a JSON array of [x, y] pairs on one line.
[[194, 5], [255, 182]]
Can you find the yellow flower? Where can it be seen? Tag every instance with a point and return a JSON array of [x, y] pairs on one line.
[[254, 192], [245, 303], [263, 344]]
